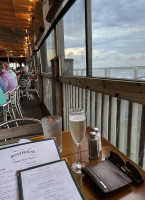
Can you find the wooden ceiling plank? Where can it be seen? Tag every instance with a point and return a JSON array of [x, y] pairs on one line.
[[19, 5], [14, 22], [8, 16], [17, 11], [12, 25]]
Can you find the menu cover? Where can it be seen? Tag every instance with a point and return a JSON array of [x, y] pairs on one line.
[[21, 156], [51, 181]]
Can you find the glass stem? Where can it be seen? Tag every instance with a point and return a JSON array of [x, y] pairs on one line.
[[79, 153]]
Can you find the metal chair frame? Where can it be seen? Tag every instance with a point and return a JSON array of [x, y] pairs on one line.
[[18, 100], [3, 111], [14, 97], [10, 111], [24, 87]]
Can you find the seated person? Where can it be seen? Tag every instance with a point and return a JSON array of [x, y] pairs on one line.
[[25, 75], [33, 78], [2, 85], [8, 78], [17, 71], [2, 100], [7, 68]]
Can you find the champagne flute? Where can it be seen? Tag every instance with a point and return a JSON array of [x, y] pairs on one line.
[[77, 123]]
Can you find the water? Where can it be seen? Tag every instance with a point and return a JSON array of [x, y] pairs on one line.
[[135, 73]]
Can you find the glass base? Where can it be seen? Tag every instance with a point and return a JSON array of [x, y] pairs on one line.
[[76, 167]]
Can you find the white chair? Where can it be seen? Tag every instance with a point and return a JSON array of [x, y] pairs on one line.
[[24, 88], [14, 97], [3, 113], [18, 100], [7, 96], [10, 111]]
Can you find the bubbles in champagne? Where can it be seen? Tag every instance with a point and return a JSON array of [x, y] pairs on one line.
[[77, 127]]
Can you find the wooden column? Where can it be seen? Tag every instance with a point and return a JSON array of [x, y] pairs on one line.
[[40, 81], [56, 88]]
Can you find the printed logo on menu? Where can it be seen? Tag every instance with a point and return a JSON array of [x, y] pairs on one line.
[[23, 155]]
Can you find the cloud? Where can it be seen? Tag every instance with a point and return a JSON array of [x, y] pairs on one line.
[[79, 56], [108, 59], [118, 32], [116, 13]]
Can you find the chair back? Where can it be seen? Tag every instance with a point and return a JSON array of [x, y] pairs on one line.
[[18, 93], [13, 96], [27, 128], [7, 95], [23, 84], [3, 113]]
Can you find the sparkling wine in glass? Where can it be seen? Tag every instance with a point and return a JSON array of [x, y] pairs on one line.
[[77, 124]]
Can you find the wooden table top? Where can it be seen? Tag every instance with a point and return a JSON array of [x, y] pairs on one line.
[[69, 151]]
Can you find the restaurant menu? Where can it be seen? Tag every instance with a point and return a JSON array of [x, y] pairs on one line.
[[23, 156], [51, 181]]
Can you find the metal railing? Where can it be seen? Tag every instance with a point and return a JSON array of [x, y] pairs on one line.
[[137, 72]]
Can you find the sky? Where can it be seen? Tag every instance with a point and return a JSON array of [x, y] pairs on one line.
[[118, 29], [118, 33]]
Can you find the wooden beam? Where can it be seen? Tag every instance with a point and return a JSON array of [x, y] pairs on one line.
[[88, 27], [49, 76], [53, 8], [128, 90]]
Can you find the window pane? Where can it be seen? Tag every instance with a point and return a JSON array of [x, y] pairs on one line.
[[74, 40], [118, 37], [37, 59], [43, 53], [50, 46], [47, 53]]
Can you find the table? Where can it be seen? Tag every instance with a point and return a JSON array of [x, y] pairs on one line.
[[69, 151]]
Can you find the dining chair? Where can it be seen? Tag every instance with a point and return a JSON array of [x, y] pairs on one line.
[[27, 128], [18, 101], [3, 113], [15, 101], [10, 110], [24, 88]]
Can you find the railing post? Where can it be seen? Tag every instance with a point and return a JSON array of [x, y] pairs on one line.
[[88, 26], [40, 87], [136, 72], [107, 72], [56, 88], [40, 82]]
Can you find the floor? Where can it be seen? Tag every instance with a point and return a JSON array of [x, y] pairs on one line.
[[31, 108]]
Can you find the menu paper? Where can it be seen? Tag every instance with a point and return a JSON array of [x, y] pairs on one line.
[[23, 156], [51, 181]]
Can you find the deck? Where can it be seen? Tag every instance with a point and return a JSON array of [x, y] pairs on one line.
[[32, 108]]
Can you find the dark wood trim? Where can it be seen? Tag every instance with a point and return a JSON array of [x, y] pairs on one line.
[[49, 76], [88, 27], [128, 90], [53, 8], [141, 155], [56, 88], [44, 110]]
